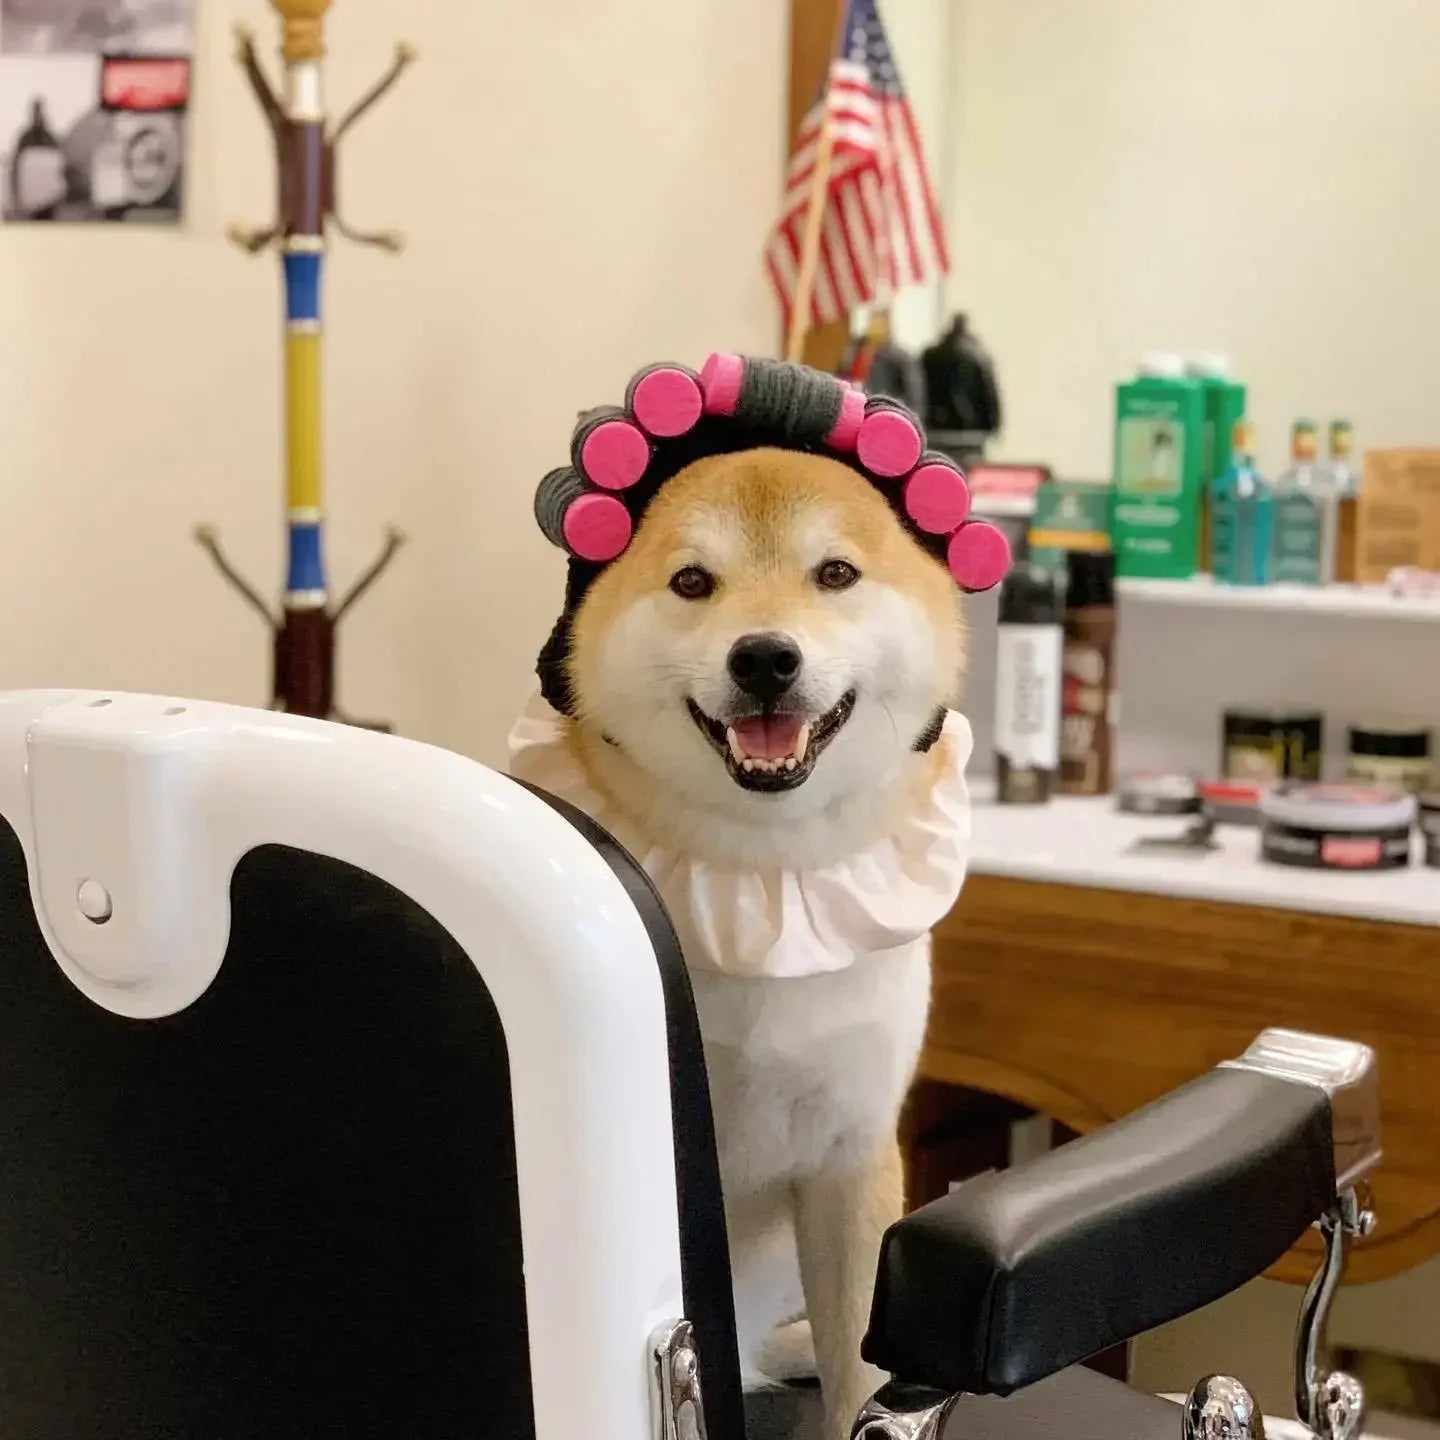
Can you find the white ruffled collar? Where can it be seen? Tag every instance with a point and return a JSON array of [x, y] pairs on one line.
[[777, 921]]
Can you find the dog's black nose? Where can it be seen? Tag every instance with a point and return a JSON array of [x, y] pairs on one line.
[[764, 665]]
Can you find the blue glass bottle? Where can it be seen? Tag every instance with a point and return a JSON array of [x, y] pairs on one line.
[[1242, 516]]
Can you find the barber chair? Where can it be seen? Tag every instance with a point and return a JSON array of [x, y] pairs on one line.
[[350, 1089]]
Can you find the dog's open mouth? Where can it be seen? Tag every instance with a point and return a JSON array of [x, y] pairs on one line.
[[776, 751]]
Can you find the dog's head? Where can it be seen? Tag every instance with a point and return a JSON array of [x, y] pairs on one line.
[[771, 636]]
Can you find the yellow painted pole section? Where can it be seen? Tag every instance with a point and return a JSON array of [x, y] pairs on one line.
[[302, 418]]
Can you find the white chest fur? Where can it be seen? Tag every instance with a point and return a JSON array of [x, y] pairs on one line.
[[803, 1068], [806, 1075]]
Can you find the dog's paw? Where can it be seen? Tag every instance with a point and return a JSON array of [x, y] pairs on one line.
[[788, 1352]]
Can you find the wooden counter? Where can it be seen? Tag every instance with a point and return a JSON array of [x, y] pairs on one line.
[[1084, 1001]]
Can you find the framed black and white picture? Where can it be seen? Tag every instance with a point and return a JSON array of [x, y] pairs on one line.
[[94, 96]]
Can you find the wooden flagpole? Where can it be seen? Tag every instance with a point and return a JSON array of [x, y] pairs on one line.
[[810, 249], [815, 215]]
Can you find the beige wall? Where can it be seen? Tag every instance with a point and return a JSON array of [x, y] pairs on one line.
[[1239, 176], [585, 187]]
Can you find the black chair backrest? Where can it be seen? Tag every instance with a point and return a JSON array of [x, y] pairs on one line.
[[290, 1210]]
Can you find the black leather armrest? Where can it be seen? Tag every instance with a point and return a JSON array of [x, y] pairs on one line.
[[1020, 1273]]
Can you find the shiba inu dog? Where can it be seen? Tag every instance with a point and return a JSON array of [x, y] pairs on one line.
[[760, 686]]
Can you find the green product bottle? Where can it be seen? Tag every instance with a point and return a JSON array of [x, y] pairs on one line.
[[1159, 450], [1224, 408], [1304, 503]]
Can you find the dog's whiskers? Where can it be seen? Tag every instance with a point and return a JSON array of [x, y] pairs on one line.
[[890, 716]]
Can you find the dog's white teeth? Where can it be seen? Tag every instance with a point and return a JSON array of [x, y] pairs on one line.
[[733, 741], [802, 742], [766, 767], [758, 763]]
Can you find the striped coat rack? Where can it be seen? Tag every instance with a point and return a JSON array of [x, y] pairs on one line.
[[305, 155]]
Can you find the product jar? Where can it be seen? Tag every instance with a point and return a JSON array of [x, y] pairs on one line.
[[1231, 802], [1430, 826], [1337, 826], [1391, 752], [1158, 792], [1261, 745]]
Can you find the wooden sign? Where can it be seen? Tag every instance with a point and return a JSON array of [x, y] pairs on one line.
[[1399, 513]]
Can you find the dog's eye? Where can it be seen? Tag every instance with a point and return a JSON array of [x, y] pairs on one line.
[[836, 575], [690, 582]]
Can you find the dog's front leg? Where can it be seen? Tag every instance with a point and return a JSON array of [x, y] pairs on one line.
[[841, 1212]]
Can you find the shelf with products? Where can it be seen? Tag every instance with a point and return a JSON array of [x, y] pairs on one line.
[[1088, 842], [1360, 601]]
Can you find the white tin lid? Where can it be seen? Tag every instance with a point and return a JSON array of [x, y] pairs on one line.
[[1337, 806]]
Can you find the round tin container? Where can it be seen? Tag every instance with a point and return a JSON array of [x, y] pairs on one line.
[[1336, 827], [1157, 792], [1391, 752], [1231, 802]]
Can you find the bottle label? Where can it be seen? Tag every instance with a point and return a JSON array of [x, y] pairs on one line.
[[1248, 758], [1403, 772], [1027, 695], [1152, 456], [1240, 529], [39, 180], [1085, 708], [1299, 537]]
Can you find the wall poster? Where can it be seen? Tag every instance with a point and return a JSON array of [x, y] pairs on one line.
[[93, 101]]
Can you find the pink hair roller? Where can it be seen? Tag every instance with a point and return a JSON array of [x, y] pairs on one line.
[[587, 523], [720, 380], [666, 400], [889, 443], [936, 497], [596, 527], [978, 556], [846, 430], [611, 453]]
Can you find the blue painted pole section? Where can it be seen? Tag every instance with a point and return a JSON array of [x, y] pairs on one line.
[[306, 573], [302, 285], [305, 569]]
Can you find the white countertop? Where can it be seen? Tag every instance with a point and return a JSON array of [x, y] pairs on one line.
[[1087, 842]]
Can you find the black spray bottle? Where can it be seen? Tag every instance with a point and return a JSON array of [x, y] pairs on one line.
[[1028, 679]]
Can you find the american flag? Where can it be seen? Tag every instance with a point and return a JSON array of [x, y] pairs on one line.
[[881, 226]]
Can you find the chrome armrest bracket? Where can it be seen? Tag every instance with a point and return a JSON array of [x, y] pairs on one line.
[[903, 1412], [1331, 1405], [675, 1370]]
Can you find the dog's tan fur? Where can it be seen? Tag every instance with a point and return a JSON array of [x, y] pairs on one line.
[[755, 504], [807, 1074]]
